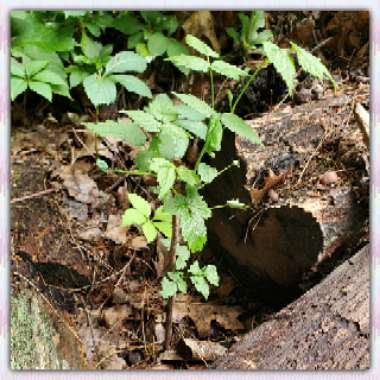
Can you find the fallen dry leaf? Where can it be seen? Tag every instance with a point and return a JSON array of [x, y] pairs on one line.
[[81, 187], [202, 314], [116, 314], [270, 181], [115, 230], [199, 349]]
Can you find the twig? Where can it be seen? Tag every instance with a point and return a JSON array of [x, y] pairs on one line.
[[34, 195], [362, 117], [172, 257]]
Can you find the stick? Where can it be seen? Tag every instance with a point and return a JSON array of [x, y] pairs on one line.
[[35, 195], [362, 117]]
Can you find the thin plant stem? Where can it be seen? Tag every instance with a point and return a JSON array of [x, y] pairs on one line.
[[212, 88], [133, 172], [246, 85], [172, 258]]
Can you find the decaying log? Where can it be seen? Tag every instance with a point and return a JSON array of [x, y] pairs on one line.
[[326, 328], [307, 219]]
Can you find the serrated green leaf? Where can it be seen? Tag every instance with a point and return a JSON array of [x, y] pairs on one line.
[[140, 204], [119, 130], [200, 46], [312, 64], [187, 113], [161, 215], [99, 90], [201, 285], [102, 165], [91, 49], [197, 128], [235, 124], [282, 62], [77, 76], [166, 175], [164, 227], [233, 33], [126, 61], [42, 89], [34, 67], [188, 176], [133, 216], [173, 142], [211, 274], [177, 277], [133, 84], [49, 76], [228, 70], [17, 68], [128, 24], [149, 231], [214, 136], [207, 172], [175, 48], [162, 108], [195, 103], [18, 86], [183, 255], [144, 120], [157, 44], [169, 288], [195, 269], [189, 62]]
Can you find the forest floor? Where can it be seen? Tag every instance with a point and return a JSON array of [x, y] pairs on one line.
[[99, 282]]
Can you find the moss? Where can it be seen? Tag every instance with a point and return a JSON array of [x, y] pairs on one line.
[[32, 335]]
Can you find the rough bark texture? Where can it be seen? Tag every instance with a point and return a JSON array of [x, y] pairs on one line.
[[280, 240], [326, 328]]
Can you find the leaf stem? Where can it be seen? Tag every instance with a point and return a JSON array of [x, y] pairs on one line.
[[247, 84], [212, 88], [133, 172], [172, 259]]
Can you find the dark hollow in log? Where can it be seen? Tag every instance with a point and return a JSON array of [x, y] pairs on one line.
[[326, 328], [279, 241]]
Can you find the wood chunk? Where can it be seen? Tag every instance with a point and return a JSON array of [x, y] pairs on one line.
[[326, 328], [277, 242]]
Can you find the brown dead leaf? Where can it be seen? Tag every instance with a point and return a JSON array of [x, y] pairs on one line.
[[90, 234], [81, 187], [202, 350], [138, 242], [116, 314], [270, 181], [202, 314], [115, 230], [201, 24]]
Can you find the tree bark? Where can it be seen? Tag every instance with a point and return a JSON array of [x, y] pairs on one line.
[[326, 328]]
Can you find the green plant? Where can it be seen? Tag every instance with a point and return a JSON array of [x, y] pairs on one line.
[[65, 41], [150, 33], [100, 72], [170, 127], [252, 32], [37, 76]]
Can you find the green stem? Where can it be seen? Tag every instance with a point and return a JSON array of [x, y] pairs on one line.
[[133, 172], [212, 88], [219, 173], [247, 84], [201, 154]]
